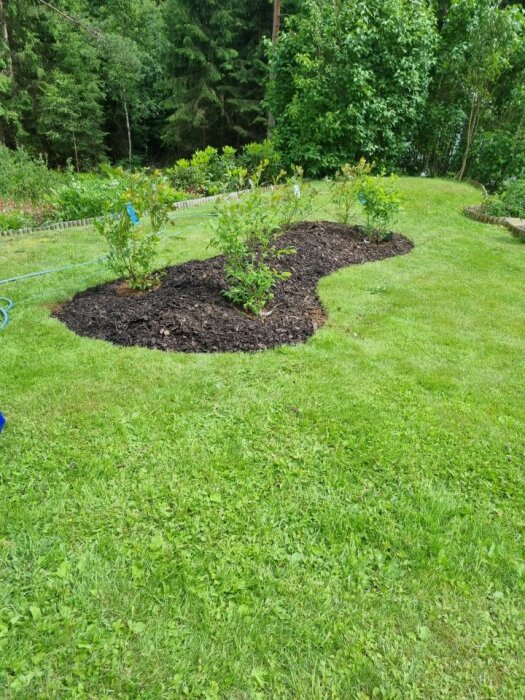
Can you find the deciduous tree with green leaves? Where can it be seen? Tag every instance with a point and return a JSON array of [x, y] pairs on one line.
[[350, 79]]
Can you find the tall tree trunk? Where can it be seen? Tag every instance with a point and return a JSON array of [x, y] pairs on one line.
[[5, 37], [128, 128], [76, 152], [472, 127]]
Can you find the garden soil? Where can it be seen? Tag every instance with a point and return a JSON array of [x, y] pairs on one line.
[[189, 313]]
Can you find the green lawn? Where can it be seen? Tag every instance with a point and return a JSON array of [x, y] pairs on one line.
[[342, 519]]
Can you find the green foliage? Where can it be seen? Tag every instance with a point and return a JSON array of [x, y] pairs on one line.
[[70, 102], [16, 215], [215, 71], [23, 178], [210, 171], [246, 232], [336, 521], [510, 201], [205, 173], [254, 154], [14, 219], [476, 97], [355, 187], [294, 198], [381, 201], [87, 195], [350, 79], [498, 155], [132, 246], [346, 188]]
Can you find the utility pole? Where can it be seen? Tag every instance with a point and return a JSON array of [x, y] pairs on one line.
[[275, 39]]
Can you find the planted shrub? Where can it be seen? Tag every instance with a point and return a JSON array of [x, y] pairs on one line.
[[132, 240], [255, 154], [210, 172], [381, 202], [346, 188], [510, 201], [294, 198], [246, 231], [205, 173]]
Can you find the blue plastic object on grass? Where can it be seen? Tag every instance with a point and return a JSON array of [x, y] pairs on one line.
[[2, 421], [132, 213], [362, 199]]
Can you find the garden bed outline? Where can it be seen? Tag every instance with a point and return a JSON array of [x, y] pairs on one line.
[[189, 313], [514, 225]]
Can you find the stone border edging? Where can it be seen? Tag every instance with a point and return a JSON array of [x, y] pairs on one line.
[[184, 204], [515, 226]]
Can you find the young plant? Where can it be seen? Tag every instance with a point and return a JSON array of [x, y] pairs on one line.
[[381, 201], [246, 231], [133, 244], [346, 187], [294, 198]]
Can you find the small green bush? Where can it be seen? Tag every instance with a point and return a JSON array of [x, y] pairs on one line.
[[132, 245], [346, 188], [246, 231], [382, 202], [294, 199], [510, 201], [210, 172], [23, 178], [206, 173], [86, 195], [254, 154]]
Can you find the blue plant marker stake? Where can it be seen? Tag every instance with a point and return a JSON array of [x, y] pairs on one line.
[[2, 421], [132, 213], [362, 199]]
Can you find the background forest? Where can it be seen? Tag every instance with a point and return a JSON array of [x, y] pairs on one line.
[[434, 86]]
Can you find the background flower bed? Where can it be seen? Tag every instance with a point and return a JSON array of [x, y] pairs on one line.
[[33, 194]]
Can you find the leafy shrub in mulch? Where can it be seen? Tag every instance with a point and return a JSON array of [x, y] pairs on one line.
[[133, 240], [355, 187], [247, 230]]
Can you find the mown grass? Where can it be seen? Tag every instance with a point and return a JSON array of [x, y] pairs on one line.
[[342, 519]]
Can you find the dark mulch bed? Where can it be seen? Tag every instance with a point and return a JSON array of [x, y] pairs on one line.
[[188, 313]]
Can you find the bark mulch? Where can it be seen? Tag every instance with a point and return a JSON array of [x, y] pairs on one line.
[[188, 313]]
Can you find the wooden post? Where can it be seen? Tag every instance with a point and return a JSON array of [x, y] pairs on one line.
[[275, 38]]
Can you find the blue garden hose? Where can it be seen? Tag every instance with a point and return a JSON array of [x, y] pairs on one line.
[[5, 307], [7, 304]]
